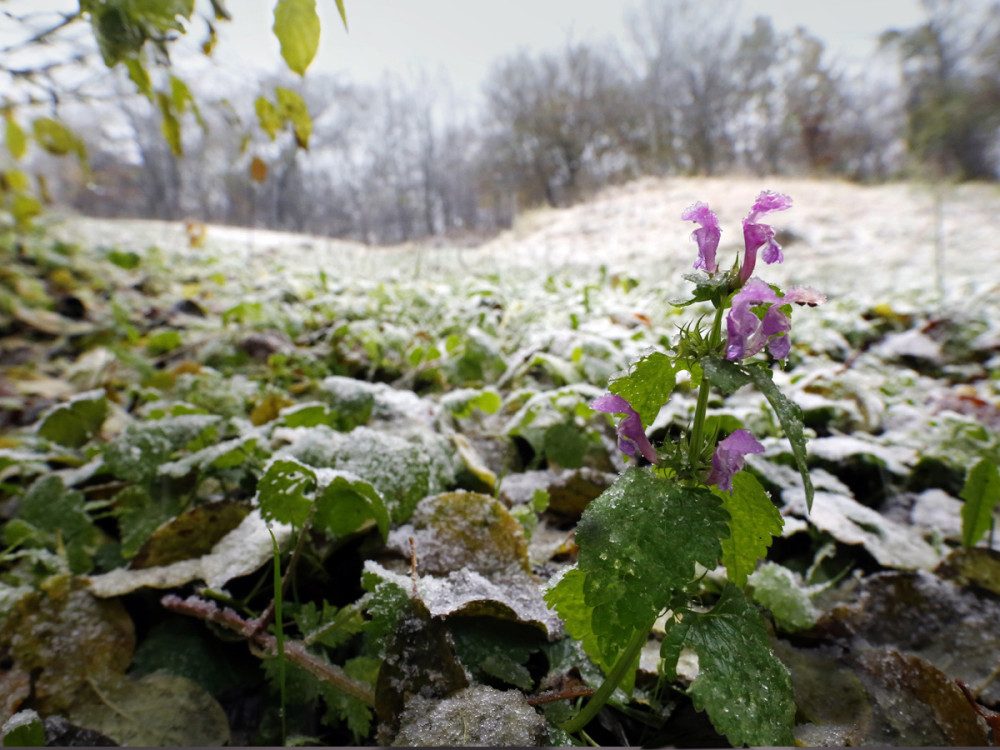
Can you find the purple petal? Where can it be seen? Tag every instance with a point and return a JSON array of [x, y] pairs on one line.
[[746, 334], [707, 236], [729, 458], [631, 435], [757, 235]]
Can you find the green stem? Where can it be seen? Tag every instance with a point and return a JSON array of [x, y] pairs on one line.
[[615, 676], [698, 427]]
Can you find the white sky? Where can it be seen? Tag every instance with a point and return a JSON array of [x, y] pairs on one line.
[[463, 37]]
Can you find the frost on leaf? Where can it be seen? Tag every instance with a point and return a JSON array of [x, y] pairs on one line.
[[746, 691], [191, 534]]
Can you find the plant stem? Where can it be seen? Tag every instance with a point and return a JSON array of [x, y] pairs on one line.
[[698, 427], [615, 676]]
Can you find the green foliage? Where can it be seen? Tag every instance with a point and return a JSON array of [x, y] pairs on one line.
[[15, 138], [647, 385], [981, 494], [639, 543], [345, 505], [753, 521], [137, 454], [748, 697], [781, 590], [790, 416], [76, 422], [296, 25], [122, 27], [284, 493], [60, 520], [24, 729]]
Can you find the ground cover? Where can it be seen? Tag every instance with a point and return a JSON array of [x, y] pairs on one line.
[[411, 425]]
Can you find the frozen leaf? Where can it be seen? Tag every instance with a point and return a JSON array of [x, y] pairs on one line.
[[496, 649], [76, 422], [981, 494], [23, 729], [139, 516], [50, 508], [138, 452], [158, 709], [972, 566], [243, 550], [191, 534], [296, 25], [753, 521], [892, 544], [476, 716], [66, 639], [284, 493], [639, 543], [463, 401], [783, 592], [748, 697], [647, 385]]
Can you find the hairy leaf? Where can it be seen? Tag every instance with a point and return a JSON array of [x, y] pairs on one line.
[[790, 416], [647, 385], [981, 494], [753, 521], [639, 543], [723, 374], [746, 691], [296, 25]]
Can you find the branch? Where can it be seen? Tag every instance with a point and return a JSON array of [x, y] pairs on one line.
[[295, 651]]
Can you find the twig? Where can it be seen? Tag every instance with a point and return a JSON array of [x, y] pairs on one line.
[[295, 651]]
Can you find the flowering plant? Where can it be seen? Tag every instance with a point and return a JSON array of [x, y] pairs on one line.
[[648, 538]]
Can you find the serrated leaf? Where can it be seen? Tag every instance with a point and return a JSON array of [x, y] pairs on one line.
[[330, 626], [284, 493], [639, 543], [745, 689], [48, 506], [345, 505], [567, 598], [790, 416], [75, 423], [17, 141], [981, 493], [356, 714], [292, 108], [648, 385], [267, 115], [753, 521], [297, 27]]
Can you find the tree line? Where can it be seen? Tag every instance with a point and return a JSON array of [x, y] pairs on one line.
[[692, 92]]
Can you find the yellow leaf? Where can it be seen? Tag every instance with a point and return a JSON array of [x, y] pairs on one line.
[[296, 25]]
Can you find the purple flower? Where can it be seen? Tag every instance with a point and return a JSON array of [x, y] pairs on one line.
[[728, 458], [757, 236], [630, 433], [747, 334], [707, 235]]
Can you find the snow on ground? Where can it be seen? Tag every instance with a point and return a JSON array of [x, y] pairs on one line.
[[842, 238]]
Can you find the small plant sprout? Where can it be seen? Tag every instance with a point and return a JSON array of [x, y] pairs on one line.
[[645, 542]]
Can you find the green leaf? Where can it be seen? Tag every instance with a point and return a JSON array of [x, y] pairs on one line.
[[639, 543], [24, 729], [49, 507], [138, 74], [127, 259], [753, 521], [345, 505], [648, 385], [790, 416], [356, 714], [25, 208], [139, 515], [285, 492], [296, 25], [137, 454], [292, 108], [981, 493], [17, 141], [723, 374], [343, 13], [745, 689], [171, 126], [565, 445], [494, 648], [163, 342], [781, 590], [267, 115], [76, 422], [329, 626]]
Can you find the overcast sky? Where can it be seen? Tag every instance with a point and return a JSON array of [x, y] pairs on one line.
[[463, 37]]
